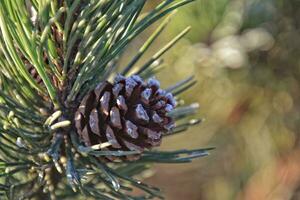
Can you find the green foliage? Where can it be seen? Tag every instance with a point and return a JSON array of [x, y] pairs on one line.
[[73, 45]]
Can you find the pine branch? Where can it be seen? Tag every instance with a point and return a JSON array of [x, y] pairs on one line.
[[65, 130]]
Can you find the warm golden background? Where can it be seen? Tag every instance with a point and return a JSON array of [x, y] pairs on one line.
[[245, 56]]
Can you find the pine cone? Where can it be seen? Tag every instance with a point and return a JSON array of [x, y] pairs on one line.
[[130, 114]]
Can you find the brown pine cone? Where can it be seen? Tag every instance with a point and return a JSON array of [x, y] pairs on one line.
[[130, 114]]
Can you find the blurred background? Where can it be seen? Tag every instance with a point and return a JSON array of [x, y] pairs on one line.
[[245, 55]]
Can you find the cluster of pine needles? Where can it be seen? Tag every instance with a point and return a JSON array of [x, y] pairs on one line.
[[52, 53]]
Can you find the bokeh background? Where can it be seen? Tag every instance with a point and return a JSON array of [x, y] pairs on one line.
[[245, 57]]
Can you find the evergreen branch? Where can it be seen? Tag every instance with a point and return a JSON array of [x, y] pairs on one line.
[[184, 88], [147, 44], [53, 54], [183, 126], [152, 17], [67, 25], [163, 50], [180, 84], [181, 112], [28, 45], [180, 156], [11, 53], [156, 67]]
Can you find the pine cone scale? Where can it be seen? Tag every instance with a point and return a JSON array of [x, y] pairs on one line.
[[115, 118], [104, 103], [94, 122], [131, 129], [110, 136]]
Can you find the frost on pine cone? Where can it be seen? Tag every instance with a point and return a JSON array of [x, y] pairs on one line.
[[130, 114]]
